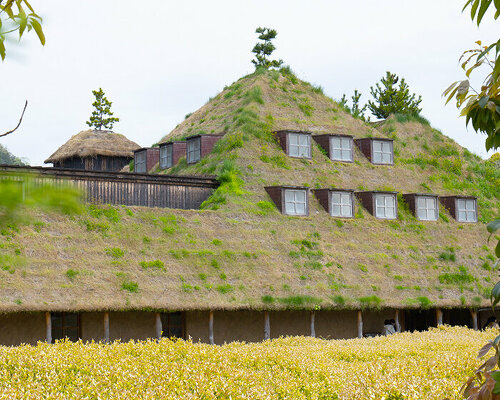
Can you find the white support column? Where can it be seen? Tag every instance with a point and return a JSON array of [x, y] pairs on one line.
[[48, 327], [439, 316], [313, 328], [396, 318], [211, 327], [473, 314], [360, 324], [106, 327], [158, 326], [267, 326]]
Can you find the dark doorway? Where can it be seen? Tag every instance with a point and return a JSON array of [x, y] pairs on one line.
[[419, 320], [65, 325], [172, 325], [457, 316]]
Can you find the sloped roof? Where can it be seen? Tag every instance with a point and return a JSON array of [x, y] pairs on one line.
[[240, 252], [92, 143]]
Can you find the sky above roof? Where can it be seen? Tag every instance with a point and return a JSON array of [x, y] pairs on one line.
[[160, 60]]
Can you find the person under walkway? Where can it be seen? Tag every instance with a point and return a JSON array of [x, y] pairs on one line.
[[491, 323], [388, 328]]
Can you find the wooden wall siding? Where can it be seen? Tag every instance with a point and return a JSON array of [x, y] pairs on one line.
[[178, 151], [323, 197], [365, 146], [208, 142], [276, 194], [152, 157], [366, 199], [282, 140], [324, 142], [130, 189], [411, 200], [98, 163], [449, 202]]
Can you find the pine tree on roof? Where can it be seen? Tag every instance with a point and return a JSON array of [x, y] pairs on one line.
[[102, 115]]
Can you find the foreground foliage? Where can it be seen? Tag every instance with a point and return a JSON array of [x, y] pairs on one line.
[[429, 365]]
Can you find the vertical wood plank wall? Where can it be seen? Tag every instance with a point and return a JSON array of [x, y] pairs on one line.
[[129, 189]]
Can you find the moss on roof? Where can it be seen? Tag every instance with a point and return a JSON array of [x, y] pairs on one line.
[[240, 252]]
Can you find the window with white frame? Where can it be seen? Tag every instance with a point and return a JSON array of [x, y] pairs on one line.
[[385, 206], [466, 210], [426, 208], [341, 204], [193, 150], [140, 162], [295, 202], [340, 148], [299, 145], [382, 152], [166, 153]]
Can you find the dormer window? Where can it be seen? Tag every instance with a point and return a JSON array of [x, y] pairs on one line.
[[199, 146], [145, 159], [338, 203], [466, 210], [385, 206], [171, 152], [382, 205], [140, 161], [166, 156], [427, 209], [382, 152], [290, 200], [295, 144], [462, 208], [341, 148], [295, 202], [423, 206], [299, 145], [193, 154], [377, 150]]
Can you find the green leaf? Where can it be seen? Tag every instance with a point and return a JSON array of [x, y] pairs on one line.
[[38, 29], [2, 49], [484, 6], [497, 250], [495, 294], [493, 226]]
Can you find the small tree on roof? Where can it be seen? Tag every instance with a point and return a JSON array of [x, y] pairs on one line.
[[263, 50], [390, 99], [102, 115]]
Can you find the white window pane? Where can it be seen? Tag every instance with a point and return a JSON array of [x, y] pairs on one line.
[[293, 139], [336, 198], [462, 216], [336, 154], [303, 140], [386, 158], [300, 208], [386, 147], [290, 208], [335, 142], [389, 201], [377, 146], [346, 198], [461, 204], [289, 197], [379, 200], [469, 204], [336, 210], [346, 143], [300, 196], [390, 212], [346, 155], [421, 202], [380, 212], [347, 211]]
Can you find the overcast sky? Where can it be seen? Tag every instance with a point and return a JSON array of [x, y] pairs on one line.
[[159, 60]]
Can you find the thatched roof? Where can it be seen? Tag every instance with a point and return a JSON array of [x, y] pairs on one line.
[[93, 143], [243, 253]]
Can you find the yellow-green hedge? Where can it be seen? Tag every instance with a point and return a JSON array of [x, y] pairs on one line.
[[428, 365]]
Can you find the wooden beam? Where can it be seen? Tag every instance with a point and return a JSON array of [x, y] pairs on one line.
[[106, 327], [211, 327], [473, 314], [313, 328], [48, 327], [267, 326], [360, 324], [158, 326], [396, 318], [439, 316]]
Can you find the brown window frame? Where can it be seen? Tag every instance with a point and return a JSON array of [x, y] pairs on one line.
[[63, 327], [165, 327]]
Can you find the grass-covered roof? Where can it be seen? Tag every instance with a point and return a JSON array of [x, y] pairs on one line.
[[240, 252]]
